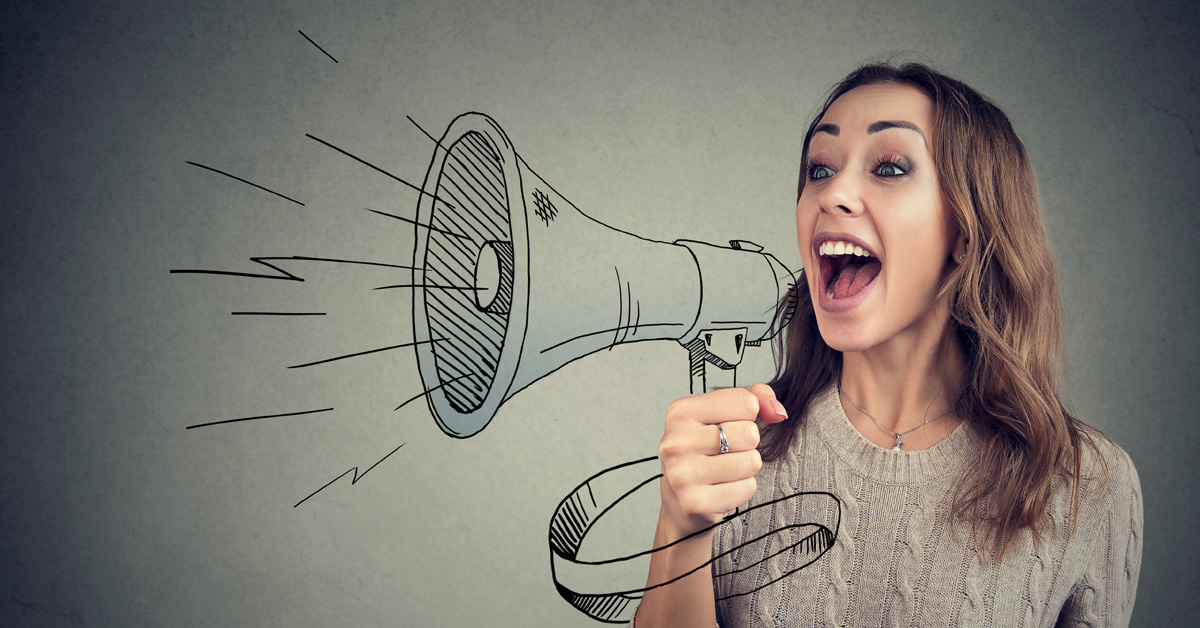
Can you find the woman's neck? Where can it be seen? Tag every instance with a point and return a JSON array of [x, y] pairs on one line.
[[901, 384]]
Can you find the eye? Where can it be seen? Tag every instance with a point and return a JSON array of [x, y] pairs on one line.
[[892, 166], [889, 170], [817, 171]]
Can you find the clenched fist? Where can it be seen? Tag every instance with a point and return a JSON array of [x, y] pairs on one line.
[[700, 484]]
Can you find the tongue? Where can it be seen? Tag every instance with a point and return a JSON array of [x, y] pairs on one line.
[[854, 277]]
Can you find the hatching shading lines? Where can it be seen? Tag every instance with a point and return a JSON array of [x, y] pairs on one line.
[[475, 170], [472, 180], [543, 207]]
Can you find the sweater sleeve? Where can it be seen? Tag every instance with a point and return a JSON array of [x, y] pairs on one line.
[[1103, 594]]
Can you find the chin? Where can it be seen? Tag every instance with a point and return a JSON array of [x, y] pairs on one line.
[[844, 336], [845, 332], [843, 344]]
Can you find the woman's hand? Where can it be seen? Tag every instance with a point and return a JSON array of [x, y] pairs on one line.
[[700, 484]]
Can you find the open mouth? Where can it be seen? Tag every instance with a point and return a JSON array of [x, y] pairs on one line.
[[846, 268]]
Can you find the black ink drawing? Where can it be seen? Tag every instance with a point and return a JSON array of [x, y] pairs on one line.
[[576, 579], [354, 480], [317, 45], [493, 312], [515, 315], [497, 314]]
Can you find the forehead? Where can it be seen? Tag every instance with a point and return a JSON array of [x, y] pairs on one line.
[[860, 107]]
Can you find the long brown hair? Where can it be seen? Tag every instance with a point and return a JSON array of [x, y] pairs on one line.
[[1006, 312]]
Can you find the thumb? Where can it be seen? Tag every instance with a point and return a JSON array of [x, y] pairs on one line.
[[769, 408]]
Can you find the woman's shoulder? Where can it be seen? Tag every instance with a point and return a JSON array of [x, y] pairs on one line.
[[1106, 468], [1103, 551], [1108, 485]]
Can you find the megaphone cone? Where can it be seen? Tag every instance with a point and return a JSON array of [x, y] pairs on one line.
[[514, 282]]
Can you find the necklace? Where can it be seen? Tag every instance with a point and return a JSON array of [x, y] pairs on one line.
[[894, 434]]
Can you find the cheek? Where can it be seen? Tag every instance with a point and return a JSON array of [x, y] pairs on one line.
[[923, 246], [806, 225]]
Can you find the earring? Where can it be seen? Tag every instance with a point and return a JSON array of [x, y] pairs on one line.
[[962, 255]]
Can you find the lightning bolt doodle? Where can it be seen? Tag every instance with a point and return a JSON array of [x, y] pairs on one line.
[[353, 480]]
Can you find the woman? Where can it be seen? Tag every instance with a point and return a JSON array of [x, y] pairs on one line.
[[930, 473]]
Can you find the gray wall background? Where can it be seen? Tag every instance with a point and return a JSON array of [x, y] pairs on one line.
[[666, 119]]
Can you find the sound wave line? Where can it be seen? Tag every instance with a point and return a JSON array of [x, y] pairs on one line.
[[426, 285], [354, 355], [255, 418], [376, 168], [353, 480], [277, 313], [285, 275], [250, 183], [302, 258], [419, 224], [447, 382], [421, 129], [317, 45]]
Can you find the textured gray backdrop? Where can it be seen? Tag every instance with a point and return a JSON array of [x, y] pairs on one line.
[[668, 119]]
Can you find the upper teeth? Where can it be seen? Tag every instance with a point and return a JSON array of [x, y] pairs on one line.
[[833, 247]]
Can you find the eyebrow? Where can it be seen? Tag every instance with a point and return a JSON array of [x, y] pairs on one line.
[[876, 127], [883, 125], [831, 129]]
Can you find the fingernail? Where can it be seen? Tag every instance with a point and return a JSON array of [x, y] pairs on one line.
[[778, 407]]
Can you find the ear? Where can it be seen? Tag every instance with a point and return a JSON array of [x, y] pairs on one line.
[[959, 253]]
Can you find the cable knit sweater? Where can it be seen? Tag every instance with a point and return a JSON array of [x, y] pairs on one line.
[[881, 548]]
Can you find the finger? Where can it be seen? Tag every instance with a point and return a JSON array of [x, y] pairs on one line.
[[715, 470], [719, 499], [739, 436], [718, 406], [769, 408], [733, 467]]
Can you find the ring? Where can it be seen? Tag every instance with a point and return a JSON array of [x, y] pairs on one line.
[[724, 442]]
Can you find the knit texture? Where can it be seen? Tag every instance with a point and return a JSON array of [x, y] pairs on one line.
[[882, 548]]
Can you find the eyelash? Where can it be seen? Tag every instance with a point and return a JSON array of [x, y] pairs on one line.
[[896, 161], [811, 167]]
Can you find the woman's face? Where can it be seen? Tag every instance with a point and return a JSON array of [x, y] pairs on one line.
[[872, 224]]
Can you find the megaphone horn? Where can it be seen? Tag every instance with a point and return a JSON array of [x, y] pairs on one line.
[[515, 282]]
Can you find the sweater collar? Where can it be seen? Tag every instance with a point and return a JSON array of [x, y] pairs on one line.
[[945, 460]]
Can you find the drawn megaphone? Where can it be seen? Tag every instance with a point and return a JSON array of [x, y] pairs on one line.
[[513, 282]]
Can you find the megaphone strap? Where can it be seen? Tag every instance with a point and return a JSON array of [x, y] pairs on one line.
[[591, 500]]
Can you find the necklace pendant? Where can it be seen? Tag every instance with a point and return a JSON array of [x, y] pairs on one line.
[[898, 444]]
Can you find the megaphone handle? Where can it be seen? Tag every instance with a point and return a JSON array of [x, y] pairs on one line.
[[713, 358], [707, 376]]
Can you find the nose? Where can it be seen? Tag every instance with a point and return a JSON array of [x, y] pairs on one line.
[[842, 194]]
